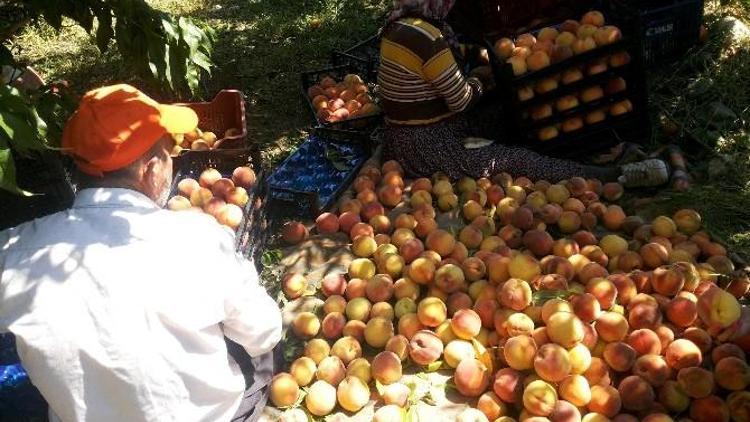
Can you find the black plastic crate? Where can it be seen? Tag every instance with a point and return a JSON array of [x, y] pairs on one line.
[[225, 161], [43, 174], [665, 28], [359, 124], [591, 138], [364, 53], [309, 181]]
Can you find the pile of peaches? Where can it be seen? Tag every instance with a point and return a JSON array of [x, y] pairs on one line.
[[546, 302], [223, 198], [335, 101], [198, 140]]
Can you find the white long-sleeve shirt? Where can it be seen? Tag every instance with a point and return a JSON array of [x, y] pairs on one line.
[[120, 310]]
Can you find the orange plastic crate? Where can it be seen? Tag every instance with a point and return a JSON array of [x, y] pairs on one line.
[[226, 111]]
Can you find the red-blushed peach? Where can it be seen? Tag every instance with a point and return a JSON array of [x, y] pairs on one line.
[[697, 382], [732, 373], [549, 282], [422, 271], [458, 301], [552, 363], [726, 350], [515, 294], [738, 404], [466, 324], [682, 312], [333, 325], [644, 316], [654, 255], [605, 400], [700, 338], [356, 287], [683, 353], [709, 409], [575, 389], [539, 398], [590, 336], [519, 352], [673, 396], [485, 308], [508, 385], [666, 336], [409, 324], [519, 324], [399, 345], [586, 307], [619, 356], [595, 254], [539, 242], [603, 290], [565, 411], [598, 372], [432, 311], [565, 329], [492, 406], [450, 278], [379, 288], [553, 306], [331, 370], [636, 394], [471, 377], [644, 342], [558, 265], [425, 347], [441, 242], [718, 308], [386, 367], [626, 288], [611, 326]]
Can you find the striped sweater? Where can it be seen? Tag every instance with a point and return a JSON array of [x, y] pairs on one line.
[[420, 82]]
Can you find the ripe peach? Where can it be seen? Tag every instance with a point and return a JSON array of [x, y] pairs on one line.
[[347, 349], [636, 394], [738, 404], [586, 307], [359, 309], [422, 271], [382, 310], [709, 409], [688, 221], [558, 265], [378, 331], [388, 413], [331, 370], [673, 396], [284, 390], [605, 400], [386, 367], [466, 324], [519, 324], [554, 306], [580, 359], [644, 341], [441, 242], [683, 353], [353, 394], [409, 324], [396, 394], [576, 390], [718, 308], [356, 287], [293, 285], [362, 229], [697, 382], [644, 316], [584, 44], [471, 377], [306, 325], [426, 347], [539, 398], [654, 255], [538, 242], [515, 294], [607, 35], [652, 368], [619, 356], [458, 350], [682, 312], [431, 311], [356, 329], [552, 362], [611, 326], [732, 373], [333, 325], [524, 267], [508, 385], [602, 289], [347, 220], [519, 352], [425, 226], [727, 350], [486, 308]]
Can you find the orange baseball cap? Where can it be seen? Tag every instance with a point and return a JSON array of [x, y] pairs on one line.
[[114, 125]]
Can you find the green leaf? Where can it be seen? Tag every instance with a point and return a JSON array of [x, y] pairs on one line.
[[8, 172], [434, 366], [18, 131]]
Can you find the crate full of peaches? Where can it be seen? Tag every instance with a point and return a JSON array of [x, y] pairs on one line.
[[223, 198], [567, 77], [339, 100]]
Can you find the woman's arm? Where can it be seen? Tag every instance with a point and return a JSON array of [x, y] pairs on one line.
[[442, 72]]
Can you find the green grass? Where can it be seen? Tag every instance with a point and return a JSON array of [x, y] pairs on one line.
[[264, 45]]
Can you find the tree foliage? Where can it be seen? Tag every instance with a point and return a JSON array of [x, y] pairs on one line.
[[171, 53]]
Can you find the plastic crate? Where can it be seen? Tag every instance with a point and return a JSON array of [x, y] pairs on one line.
[[359, 124], [308, 182], [19, 399], [43, 174], [226, 111], [665, 28], [365, 53], [225, 161], [632, 126]]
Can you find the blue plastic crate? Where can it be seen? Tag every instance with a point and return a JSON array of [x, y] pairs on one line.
[[19, 399], [311, 179]]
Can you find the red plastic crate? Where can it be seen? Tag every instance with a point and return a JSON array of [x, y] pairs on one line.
[[226, 111]]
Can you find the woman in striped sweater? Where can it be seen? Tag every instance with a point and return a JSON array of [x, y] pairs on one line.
[[425, 97]]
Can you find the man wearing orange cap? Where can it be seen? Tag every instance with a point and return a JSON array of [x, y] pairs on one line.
[[121, 308]]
